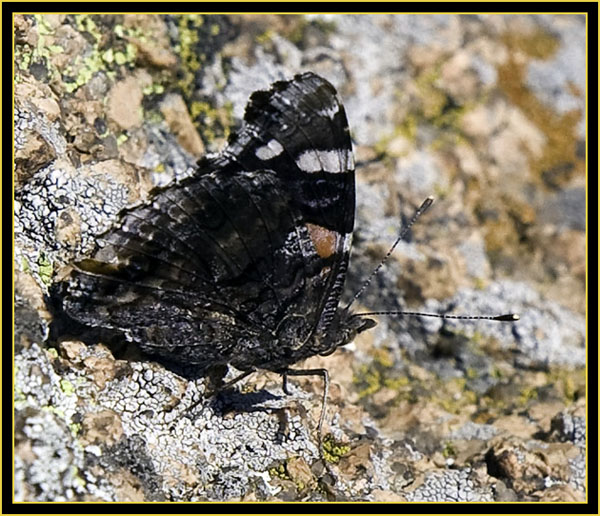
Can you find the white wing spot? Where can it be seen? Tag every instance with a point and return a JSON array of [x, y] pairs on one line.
[[269, 151], [335, 161], [330, 111]]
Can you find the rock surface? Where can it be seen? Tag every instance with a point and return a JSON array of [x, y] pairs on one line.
[[486, 113]]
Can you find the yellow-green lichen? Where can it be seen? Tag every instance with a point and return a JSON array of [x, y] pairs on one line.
[[527, 394], [45, 269], [26, 55], [265, 38], [211, 118], [396, 383], [122, 138], [54, 410], [383, 358], [55, 49], [449, 450], [333, 451], [195, 36], [25, 265], [497, 373], [77, 477], [43, 26], [279, 471], [570, 383], [441, 191], [153, 89], [433, 106], [385, 151], [127, 56], [471, 373], [23, 56], [326, 26], [569, 389], [369, 379], [75, 428], [453, 396], [67, 387], [83, 68], [379, 374], [296, 28], [479, 283], [432, 99], [187, 49], [108, 56], [19, 396], [152, 116], [85, 23]]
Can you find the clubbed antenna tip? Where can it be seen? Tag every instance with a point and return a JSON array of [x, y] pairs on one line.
[[507, 317]]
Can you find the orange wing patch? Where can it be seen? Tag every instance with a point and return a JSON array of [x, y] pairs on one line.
[[323, 239]]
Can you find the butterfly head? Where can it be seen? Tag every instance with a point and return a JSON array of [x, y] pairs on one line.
[[343, 329]]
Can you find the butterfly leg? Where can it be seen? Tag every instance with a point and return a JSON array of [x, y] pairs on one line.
[[312, 372], [238, 378], [231, 382], [222, 388], [285, 387]]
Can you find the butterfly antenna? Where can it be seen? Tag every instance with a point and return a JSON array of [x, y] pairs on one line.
[[422, 209], [502, 318]]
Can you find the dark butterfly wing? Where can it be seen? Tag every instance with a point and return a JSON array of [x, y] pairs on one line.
[[215, 267], [299, 130]]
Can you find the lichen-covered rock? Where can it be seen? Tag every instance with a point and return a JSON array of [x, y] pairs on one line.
[[484, 112]]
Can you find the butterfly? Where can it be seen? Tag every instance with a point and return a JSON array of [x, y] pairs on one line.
[[243, 263]]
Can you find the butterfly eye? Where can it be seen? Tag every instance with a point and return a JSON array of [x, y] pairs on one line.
[[366, 324]]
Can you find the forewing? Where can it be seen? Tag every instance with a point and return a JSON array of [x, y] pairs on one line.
[[299, 130]]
